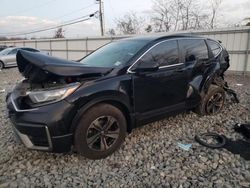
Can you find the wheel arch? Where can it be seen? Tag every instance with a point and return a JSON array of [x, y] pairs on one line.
[[201, 83], [124, 108], [2, 63]]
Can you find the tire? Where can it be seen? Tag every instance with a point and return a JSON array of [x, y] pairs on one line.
[[1, 65], [212, 102], [221, 139], [92, 140]]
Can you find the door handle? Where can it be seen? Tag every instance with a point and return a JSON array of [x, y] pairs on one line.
[[179, 70]]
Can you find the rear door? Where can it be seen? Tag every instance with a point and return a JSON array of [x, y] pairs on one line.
[[164, 90], [198, 61]]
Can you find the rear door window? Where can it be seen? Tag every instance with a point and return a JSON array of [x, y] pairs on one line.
[[194, 49], [214, 46]]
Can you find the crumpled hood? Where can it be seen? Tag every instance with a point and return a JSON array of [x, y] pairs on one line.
[[52, 65]]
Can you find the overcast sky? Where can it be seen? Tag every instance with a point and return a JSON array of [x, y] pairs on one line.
[[27, 15]]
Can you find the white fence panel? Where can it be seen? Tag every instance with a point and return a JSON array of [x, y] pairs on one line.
[[236, 40], [58, 45], [248, 65], [76, 55], [96, 43], [43, 45], [31, 44]]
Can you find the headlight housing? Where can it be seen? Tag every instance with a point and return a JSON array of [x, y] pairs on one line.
[[53, 95]]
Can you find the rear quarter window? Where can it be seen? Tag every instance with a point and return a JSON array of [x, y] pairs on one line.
[[214, 46]]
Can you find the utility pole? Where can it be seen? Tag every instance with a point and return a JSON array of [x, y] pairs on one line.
[[101, 16]]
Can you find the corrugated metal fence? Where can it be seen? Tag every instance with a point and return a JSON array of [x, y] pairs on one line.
[[236, 40]]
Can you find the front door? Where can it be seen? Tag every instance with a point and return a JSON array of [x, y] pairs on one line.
[[157, 92]]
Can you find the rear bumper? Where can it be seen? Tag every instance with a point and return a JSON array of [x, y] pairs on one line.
[[44, 128]]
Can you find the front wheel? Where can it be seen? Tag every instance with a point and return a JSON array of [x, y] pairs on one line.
[[100, 131], [213, 102]]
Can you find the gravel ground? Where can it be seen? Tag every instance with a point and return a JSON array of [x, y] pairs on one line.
[[149, 157]]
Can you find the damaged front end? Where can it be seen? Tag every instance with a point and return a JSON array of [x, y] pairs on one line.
[[38, 107], [49, 79]]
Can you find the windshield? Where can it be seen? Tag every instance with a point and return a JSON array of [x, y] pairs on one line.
[[6, 51], [114, 54]]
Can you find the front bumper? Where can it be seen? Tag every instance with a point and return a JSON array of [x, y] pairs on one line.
[[31, 145], [45, 128]]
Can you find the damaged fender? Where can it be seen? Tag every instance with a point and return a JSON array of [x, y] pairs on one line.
[[201, 82]]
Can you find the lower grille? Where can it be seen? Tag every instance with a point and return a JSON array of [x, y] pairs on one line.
[[38, 141]]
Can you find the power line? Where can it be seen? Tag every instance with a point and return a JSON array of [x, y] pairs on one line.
[[70, 13], [40, 28], [74, 11], [55, 27], [32, 8], [64, 15]]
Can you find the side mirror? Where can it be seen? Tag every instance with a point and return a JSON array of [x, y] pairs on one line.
[[146, 67]]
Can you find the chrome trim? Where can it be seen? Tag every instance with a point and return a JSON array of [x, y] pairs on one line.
[[49, 138], [18, 110], [221, 48], [166, 66], [27, 142], [131, 72]]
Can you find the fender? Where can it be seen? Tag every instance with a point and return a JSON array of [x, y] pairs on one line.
[[117, 99], [215, 72], [201, 83]]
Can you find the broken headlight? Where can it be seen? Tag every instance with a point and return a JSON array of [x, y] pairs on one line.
[[53, 94]]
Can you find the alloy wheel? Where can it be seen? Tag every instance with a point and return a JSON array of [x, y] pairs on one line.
[[215, 103], [102, 133]]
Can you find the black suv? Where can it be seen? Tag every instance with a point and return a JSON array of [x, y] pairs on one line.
[[91, 104]]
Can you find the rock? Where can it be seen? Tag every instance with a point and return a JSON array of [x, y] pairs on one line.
[[203, 159], [214, 165], [5, 185], [247, 176], [153, 167], [216, 157], [162, 174]]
